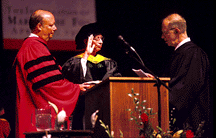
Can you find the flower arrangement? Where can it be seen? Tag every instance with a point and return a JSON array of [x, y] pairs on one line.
[[107, 130], [61, 118], [141, 114]]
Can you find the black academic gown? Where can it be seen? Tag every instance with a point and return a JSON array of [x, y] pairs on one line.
[[98, 68], [189, 72]]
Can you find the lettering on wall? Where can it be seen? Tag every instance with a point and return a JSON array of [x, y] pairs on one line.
[[70, 16]]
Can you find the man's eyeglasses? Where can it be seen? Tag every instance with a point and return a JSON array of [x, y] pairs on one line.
[[166, 32]]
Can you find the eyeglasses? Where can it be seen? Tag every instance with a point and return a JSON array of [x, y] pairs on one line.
[[166, 32], [97, 38]]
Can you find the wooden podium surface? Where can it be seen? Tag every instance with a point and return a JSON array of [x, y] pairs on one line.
[[111, 99]]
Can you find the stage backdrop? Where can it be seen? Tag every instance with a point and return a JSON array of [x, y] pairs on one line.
[[70, 16]]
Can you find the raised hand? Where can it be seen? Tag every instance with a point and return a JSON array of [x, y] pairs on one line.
[[90, 45], [89, 48]]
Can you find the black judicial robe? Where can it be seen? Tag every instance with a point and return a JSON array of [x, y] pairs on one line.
[[189, 72]]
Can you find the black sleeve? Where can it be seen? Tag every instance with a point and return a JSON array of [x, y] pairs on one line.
[[112, 70], [71, 70], [190, 79]]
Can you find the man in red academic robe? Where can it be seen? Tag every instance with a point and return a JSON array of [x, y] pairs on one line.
[[39, 78]]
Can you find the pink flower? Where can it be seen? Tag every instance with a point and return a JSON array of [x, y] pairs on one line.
[[144, 118], [189, 134]]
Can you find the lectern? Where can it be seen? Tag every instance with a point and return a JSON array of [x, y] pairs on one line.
[[111, 99]]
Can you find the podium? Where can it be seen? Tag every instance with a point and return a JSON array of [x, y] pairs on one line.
[[111, 98]]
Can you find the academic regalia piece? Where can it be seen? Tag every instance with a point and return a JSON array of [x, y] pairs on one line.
[[39, 80], [98, 68], [85, 32], [189, 84]]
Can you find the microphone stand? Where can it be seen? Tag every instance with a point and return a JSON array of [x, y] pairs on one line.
[[158, 81]]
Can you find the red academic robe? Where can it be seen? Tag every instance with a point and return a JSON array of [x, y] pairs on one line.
[[4, 128], [39, 80]]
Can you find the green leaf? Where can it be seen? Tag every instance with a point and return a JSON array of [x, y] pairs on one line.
[[151, 111], [103, 126], [139, 128], [137, 123], [132, 91], [136, 101], [174, 120], [121, 134], [108, 133], [160, 129], [100, 121]]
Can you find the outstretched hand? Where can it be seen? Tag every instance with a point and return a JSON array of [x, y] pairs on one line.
[[83, 88]]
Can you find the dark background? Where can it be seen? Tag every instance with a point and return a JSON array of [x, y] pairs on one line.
[[139, 22]]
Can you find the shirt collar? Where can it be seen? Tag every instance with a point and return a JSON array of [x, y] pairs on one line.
[[33, 35], [183, 42], [38, 38]]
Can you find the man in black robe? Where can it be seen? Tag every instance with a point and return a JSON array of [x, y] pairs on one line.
[[88, 66], [189, 72]]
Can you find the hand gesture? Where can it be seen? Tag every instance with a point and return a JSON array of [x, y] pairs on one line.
[[90, 45], [83, 88]]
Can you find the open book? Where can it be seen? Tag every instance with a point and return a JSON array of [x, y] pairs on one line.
[[140, 73]]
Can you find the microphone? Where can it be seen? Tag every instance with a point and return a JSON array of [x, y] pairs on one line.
[[126, 43], [130, 47]]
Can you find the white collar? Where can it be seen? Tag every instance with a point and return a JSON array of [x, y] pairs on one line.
[[183, 42], [33, 35]]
